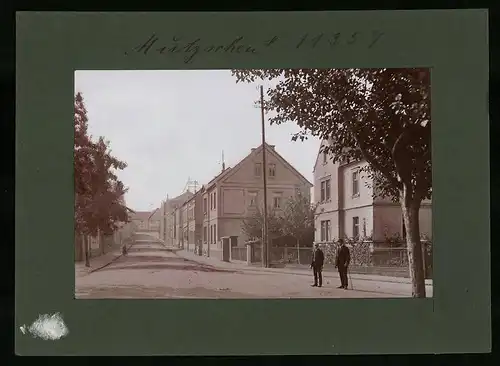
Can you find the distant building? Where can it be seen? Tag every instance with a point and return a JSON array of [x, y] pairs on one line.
[[147, 221], [141, 220], [347, 208], [220, 206], [154, 220], [170, 220]]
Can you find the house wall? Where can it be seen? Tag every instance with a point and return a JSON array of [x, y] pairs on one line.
[[380, 216], [236, 193], [365, 218], [333, 217], [364, 197]]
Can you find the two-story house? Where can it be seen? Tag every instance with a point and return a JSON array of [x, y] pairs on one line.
[[154, 222], [194, 219], [237, 192], [347, 207], [141, 220], [169, 219]]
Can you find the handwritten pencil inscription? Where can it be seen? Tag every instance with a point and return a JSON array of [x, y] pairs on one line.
[[190, 48]]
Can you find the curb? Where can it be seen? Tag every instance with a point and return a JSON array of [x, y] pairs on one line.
[[303, 273], [111, 261]]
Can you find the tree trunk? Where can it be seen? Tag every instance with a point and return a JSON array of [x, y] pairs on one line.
[[100, 237], [298, 251], [85, 239], [411, 207], [78, 248]]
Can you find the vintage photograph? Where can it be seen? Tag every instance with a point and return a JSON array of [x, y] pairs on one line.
[[253, 184]]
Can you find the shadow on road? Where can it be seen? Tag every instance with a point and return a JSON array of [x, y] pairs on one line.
[[132, 292], [135, 262], [166, 266], [147, 249]]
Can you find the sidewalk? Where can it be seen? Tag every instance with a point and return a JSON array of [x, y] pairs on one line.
[[99, 262], [295, 271]]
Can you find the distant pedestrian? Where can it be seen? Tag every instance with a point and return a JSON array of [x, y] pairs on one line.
[[318, 259], [342, 263]]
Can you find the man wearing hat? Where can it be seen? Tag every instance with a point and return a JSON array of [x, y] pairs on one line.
[[342, 263], [317, 265]]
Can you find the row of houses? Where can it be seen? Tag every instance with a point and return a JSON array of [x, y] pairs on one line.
[[200, 219], [347, 206], [146, 221]]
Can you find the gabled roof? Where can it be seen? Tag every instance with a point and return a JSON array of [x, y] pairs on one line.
[[319, 153], [180, 199], [217, 178], [155, 215], [269, 149], [195, 194], [140, 215]]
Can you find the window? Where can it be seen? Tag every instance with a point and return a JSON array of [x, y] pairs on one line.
[[205, 205], [215, 233], [258, 169], [325, 190], [272, 170], [215, 200], [277, 201], [211, 234], [355, 183], [364, 227], [325, 230], [204, 233], [253, 198], [355, 227], [325, 157]]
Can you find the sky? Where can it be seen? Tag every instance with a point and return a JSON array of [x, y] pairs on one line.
[[172, 125]]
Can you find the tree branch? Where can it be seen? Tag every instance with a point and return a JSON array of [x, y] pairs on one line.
[[371, 160], [400, 161]]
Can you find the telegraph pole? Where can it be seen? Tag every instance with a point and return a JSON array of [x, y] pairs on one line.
[[265, 243]]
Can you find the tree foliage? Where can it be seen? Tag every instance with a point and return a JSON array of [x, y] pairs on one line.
[[253, 225], [298, 218], [381, 116], [99, 193]]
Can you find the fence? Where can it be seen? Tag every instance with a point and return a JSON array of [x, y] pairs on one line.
[[301, 255], [239, 253], [121, 236], [364, 254]]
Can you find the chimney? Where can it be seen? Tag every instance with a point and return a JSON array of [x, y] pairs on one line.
[[272, 146], [223, 163], [253, 149]]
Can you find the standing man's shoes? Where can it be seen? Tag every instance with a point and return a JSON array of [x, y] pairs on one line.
[[314, 285], [340, 287], [320, 285]]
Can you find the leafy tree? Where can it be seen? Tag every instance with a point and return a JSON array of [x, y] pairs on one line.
[[98, 192], [253, 225], [298, 219], [378, 115]]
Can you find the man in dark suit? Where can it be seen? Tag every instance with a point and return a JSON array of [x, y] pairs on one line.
[[342, 263], [317, 265]]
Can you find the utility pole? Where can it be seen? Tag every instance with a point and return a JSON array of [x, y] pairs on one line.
[[265, 243]]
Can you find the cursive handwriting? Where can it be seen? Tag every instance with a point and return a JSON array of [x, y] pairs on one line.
[[190, 48], [337, 39]]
